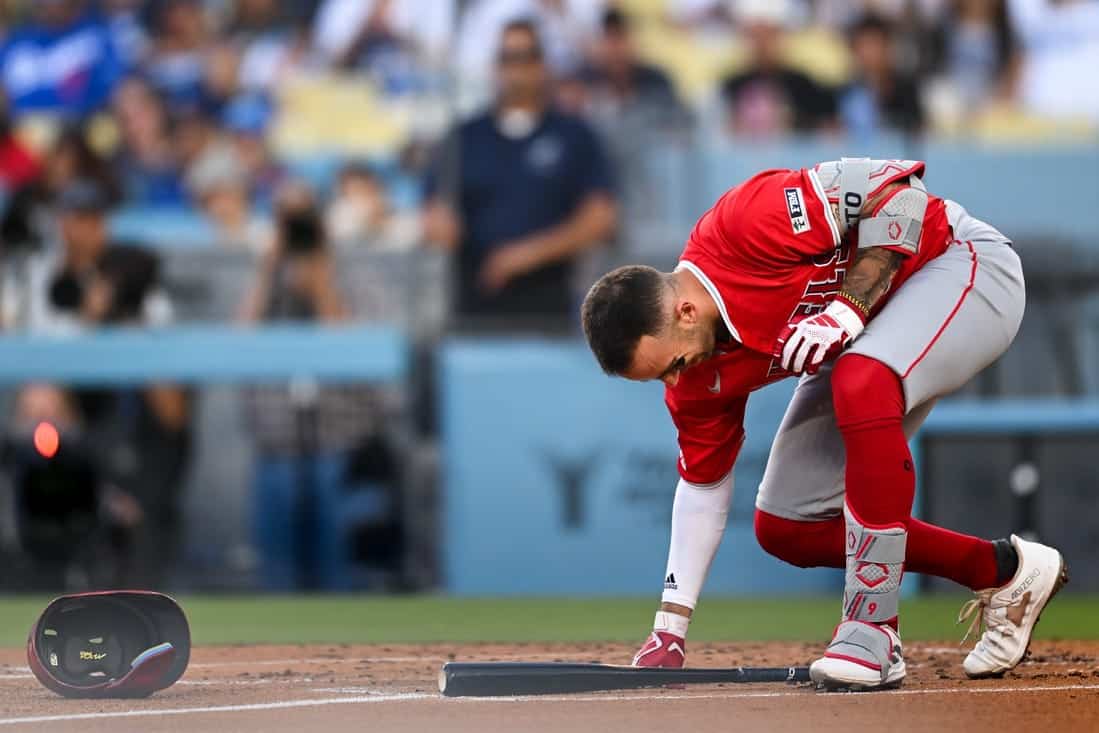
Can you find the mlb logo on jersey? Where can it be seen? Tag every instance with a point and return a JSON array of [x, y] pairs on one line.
[[795, 206]]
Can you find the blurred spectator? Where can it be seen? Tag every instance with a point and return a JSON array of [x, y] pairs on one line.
[[306, 435], [566, 28], [635, 108], [72, 158], [1060, 41], [218, 181], [518, 193], [90, 280], [844, 13], [63, 62], [146, 156], [221, 81], [977, 48], [192, 134], [295, 280], [880, 97], [246, 120], [623, 88], [30, 217], [360, 213], [130, 40], [769, 97], [377, 34], [181, 49], [275, 41]]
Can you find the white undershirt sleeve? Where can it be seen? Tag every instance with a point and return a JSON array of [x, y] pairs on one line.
[[699, 514]]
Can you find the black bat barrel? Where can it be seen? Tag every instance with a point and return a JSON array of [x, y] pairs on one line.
[[501, 679]]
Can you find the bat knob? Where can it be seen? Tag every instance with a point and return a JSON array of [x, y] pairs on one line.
[[443, 679]]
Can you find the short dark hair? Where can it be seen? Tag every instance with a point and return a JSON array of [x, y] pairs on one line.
[[524, 25], [872, 23], [622, 306], [615, 22]]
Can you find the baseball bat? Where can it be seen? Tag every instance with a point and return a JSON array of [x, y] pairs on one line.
[[501, 679]]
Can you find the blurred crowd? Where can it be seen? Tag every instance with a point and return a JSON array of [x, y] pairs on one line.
[[508, 134], [208, 108]]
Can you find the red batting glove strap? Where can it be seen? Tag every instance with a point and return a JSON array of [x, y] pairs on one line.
[[861, 307]]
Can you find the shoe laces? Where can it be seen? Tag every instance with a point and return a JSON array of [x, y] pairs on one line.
[[979, 610]]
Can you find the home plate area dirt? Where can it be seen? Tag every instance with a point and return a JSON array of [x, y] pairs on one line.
[[334, 688]]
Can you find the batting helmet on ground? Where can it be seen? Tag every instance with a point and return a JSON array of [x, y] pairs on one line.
[[110, 644]]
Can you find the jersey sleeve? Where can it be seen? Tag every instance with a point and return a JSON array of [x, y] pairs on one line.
[[776, 219], [710, 433]]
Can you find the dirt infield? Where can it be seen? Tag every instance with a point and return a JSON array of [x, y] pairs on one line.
[[336, 688]]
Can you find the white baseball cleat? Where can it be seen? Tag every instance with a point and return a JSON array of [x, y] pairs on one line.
[[862, 656], [1009, 613]]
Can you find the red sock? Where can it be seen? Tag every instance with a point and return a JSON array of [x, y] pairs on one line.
[[869, 405], [967, 560], [943, 553]]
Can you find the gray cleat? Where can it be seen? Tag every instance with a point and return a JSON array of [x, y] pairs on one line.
[[862, 656]]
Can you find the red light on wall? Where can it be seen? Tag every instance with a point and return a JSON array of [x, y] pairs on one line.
[[46, 440]]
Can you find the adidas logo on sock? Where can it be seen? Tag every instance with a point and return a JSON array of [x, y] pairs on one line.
[[669, 582]]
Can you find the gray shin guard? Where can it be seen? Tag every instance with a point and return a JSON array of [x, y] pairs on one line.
[[875, 563]]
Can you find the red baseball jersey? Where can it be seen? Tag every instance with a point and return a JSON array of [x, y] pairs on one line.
[[768, 251]]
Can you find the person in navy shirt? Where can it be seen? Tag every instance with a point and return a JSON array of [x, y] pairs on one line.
[[518, 193], [64, 63]]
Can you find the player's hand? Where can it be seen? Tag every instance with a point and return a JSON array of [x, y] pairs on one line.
[[805, 344], [662, 649]]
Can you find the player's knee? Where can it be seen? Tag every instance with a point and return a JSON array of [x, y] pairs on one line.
[[779, 537], [865, 390]]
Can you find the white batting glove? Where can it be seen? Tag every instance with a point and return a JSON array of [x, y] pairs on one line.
[[805, 344]]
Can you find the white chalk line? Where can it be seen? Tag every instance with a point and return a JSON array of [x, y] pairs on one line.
[[314, 660], [248, 683], [800, 692], [573, 699]]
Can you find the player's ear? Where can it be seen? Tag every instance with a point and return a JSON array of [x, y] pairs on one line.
[[686, 313]]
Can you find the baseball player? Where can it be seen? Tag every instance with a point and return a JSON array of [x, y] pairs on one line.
[[882, 297]]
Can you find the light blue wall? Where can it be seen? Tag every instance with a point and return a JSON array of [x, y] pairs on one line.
[[207, 354], [525, 421]]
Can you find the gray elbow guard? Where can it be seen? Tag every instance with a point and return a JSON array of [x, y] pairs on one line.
[[898, 222]]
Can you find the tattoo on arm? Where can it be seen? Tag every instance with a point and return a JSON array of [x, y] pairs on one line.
[[869, 278]]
